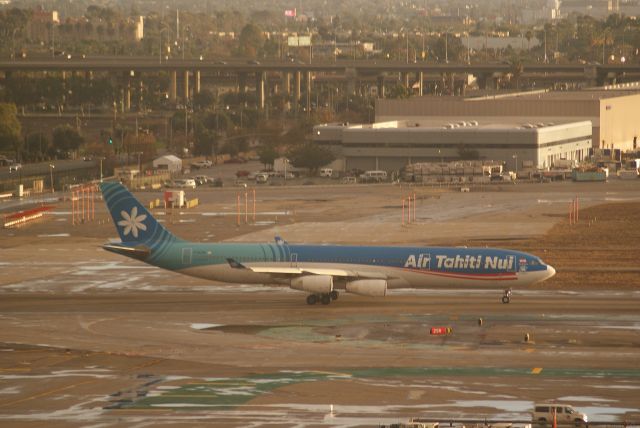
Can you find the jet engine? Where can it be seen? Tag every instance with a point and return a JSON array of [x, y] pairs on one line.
[[368, 287], [319, 284]]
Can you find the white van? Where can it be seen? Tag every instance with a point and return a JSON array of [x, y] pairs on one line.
[[326, 172], [565, 414], [374, 176], [262, 177], [184, 183]]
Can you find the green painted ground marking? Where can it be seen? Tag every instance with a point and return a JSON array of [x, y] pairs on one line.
[[227, 392], [230, 392]]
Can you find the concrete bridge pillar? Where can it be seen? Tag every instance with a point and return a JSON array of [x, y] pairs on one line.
[[127, 96], [286, 85], [297, 84], [308, 82], [380, 86], [196, 78], [173, 86], [404, 78], [186, 87], [242, 83], [298, 93], [420, 77], [260, 89]]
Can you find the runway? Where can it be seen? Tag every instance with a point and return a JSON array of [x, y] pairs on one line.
[[114, 356]]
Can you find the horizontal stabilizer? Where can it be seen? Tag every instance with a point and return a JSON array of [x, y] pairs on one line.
[[139, 252], [235, 264]]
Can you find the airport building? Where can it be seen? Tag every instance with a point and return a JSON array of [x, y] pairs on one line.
[[393, 144], [612, 111]]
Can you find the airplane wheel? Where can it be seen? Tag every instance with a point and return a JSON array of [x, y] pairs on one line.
[[312, 299], [506, 299], [325, 299], [334, 295]]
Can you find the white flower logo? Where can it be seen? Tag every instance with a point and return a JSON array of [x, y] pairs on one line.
[[133, 222]]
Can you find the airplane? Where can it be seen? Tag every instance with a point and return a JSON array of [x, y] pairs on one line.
[[319, 270]]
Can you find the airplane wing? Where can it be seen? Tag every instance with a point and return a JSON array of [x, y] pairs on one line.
[[284, 271]]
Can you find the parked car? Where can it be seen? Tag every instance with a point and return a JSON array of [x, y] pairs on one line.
[[202, 164], [15, 167], [235, 160], [326, 172], [183, 183], [374, 176], [202, 179], [262, 177]]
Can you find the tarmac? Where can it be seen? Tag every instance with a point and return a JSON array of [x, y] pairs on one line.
[[89, 338]]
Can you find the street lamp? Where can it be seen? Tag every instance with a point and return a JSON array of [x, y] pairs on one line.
[[161, 45], [286, 161], [101, 159], [446, 46], [51, 167]]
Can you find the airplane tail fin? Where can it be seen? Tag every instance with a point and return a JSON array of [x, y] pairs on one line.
[[134, 223]]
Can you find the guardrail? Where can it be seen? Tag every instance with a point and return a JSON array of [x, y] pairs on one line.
[[22, 217]]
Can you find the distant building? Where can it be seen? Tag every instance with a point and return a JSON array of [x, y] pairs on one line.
[[41, 25], [170, 163], [594, 8], [612, 110], [392, 145], [139, 28]]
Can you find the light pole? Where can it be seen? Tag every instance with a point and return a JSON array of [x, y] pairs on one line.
[[286, 161], [446, 47], [51, 167], [161, 45]]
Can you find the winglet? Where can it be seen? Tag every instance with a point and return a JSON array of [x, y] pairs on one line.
[[235, 265]]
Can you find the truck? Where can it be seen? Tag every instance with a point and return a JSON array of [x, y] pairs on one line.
[[599, 175]]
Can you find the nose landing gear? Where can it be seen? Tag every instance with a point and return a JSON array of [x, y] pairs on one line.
[[506, 297]]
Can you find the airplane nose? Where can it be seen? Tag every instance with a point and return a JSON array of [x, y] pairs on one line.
[[550, 271]]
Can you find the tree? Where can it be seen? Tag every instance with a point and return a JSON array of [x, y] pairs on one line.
[[267, 154], [10, 128], [205, 139], [251, 40], [203, 100], [65, 140], [311, 156], [36, 145], [528, 35]]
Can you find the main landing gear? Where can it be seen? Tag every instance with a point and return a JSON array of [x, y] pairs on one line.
[[506, 297], [324, 298]]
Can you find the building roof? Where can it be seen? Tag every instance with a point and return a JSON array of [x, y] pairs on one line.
[[171, 158], [487, 123]]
